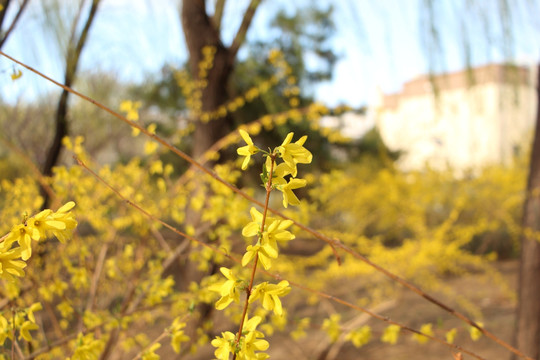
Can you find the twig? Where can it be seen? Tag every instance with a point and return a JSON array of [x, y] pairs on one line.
[[96, 276]]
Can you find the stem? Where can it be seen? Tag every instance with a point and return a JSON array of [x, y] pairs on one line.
[[256, 261]]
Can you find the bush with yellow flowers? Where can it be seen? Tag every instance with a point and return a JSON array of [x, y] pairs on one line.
[[147, 256]]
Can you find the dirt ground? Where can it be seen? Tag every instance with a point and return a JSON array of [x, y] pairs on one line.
[[496, 306]]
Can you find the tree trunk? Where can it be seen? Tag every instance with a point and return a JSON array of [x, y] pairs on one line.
[[527, 332], [200, 32]]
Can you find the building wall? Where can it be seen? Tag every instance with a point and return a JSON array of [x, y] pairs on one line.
[[463, 120]]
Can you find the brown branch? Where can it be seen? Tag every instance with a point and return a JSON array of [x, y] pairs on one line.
[[13, 23], [244, 26], [218, 14], [335, 243], [96, 276]]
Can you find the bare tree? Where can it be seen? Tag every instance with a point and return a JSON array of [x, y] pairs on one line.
[[75, 45], [4, 34]]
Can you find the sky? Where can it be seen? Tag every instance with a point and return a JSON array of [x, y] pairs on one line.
[[381, 43]]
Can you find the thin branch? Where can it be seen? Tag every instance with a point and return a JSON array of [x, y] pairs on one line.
[[95, 278], [334, 243], [244, 26], [218, 14], [82, 38], [13, 23]]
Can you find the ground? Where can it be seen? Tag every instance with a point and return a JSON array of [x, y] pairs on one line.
[[497, 309]]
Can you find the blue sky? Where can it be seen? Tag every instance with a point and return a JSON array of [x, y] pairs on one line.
[[379, 43]]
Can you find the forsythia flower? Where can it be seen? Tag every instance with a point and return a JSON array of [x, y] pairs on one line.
[[391, 334], [24, 236], [16, 74], [266, 246], [177, 334], [30, 311], [288, 196], [332, 327], [294, 153], [24, 331], [425, 329], [64, 215], [10, 263], [131, 108], [475, 333], [359, 337], [252, 341], [451, 335], [224, 345], [87, 348], [150, 353], [248, 150], [229, 290], [270, 295]]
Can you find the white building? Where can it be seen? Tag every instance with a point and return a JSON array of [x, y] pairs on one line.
[[464, 120]]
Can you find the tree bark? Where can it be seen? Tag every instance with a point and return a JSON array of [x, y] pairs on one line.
[[527, 332], [200, 32]]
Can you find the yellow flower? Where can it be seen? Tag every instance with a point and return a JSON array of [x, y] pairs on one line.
[[24, 331], [266, 246], [248, 150], [45, 224], [253, 227], [359, 337], [391, 334], [288, 196], [224, 345], [10, 263], [331, 326], [270, 295], [5, 330], [279, 172], [131, 108], [64, 215], [150, 353], [177, 335], [252, 341], [87, 348], [254, 250], [451, 335], [229, 290], [425, 329], [294, 153], [16, 74], [476, 333], [23, 235], [34, 307]]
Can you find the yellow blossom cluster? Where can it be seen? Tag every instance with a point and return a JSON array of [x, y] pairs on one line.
[[247, 343], [16, 247]]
